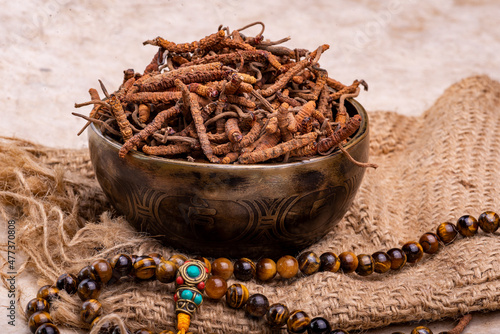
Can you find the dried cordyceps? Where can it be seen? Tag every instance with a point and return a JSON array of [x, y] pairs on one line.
[[228, 98]]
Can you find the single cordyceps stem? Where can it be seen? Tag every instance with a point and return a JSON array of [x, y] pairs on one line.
[[461, 324]]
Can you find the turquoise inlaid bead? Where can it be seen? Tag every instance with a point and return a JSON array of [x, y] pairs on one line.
[[193, 271], [198, 299], [187, 294]]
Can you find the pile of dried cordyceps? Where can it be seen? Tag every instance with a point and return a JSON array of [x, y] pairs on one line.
[[228, 99]]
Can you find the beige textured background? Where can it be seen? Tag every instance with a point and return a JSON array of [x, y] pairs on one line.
[[409, 51]]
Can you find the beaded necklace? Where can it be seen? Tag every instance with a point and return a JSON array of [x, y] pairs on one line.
[[192, 276]]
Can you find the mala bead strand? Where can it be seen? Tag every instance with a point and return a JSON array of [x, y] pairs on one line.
[[190, 277]]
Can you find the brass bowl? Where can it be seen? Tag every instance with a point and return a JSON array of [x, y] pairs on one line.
[[232, 210]]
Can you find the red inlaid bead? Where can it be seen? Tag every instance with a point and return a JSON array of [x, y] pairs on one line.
[[176, 297], [201, 285], [179, 280]]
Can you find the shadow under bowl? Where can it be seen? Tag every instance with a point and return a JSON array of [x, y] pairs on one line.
[[267, 209]]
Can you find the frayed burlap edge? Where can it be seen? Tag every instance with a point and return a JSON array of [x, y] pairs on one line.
[[433, 168]]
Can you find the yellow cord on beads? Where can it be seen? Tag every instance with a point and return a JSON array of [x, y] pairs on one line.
[[183, 322]]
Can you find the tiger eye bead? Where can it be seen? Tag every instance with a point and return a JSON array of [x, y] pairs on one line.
[[68, 283], [382, 262], [329, 262], [319, 326], [429, 242], [178, 259], [287, 266], [348, 262], [489, 221], [215, 287], [398, 258], [121, 265], [103, 271], [413, 251], [88, 289], [144, 267], [157, 257], [467, 226], [37, 319], [91, 309], [266, 269], [446, 232], [205, 261], [222, 267], [236, 296], [244, 269], [277, 315], [365, 265], [48, 292], [104, 328], [47, 328], [36, 305], [257, 305], [421, 330], [309, 263], [85, 273], [165, 271], [298, 322]]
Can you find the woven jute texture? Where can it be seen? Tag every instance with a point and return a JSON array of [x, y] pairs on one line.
[[432, 168]]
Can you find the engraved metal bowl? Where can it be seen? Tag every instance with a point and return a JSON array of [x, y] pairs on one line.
[[232, 210]]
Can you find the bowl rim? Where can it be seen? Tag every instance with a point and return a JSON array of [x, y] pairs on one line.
[[134, 154]]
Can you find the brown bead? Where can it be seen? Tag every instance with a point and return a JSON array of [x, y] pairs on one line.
[[266, 269], [215, 287], [244, 269], [287, 266], [47, 328], [89, 289], [91, 309], [257, 305], [87, 272], [277, 315], [205, 261], [144, 267], [382, 262], [446, 232], [489, 221], [365, 265], [348, 262], [68, 283], [309, 263], [329, 262], [298, 322], [467, 226], [102, 270], [178, 259], [48, 292], [165, 271], [222, 267], [421, 330], [36, 305], [37, 319], [157, 257], [121, 265], [398, 258], [413, 251], [236, 295], [429, 242]]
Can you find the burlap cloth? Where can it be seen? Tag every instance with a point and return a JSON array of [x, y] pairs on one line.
[[433, 168]]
